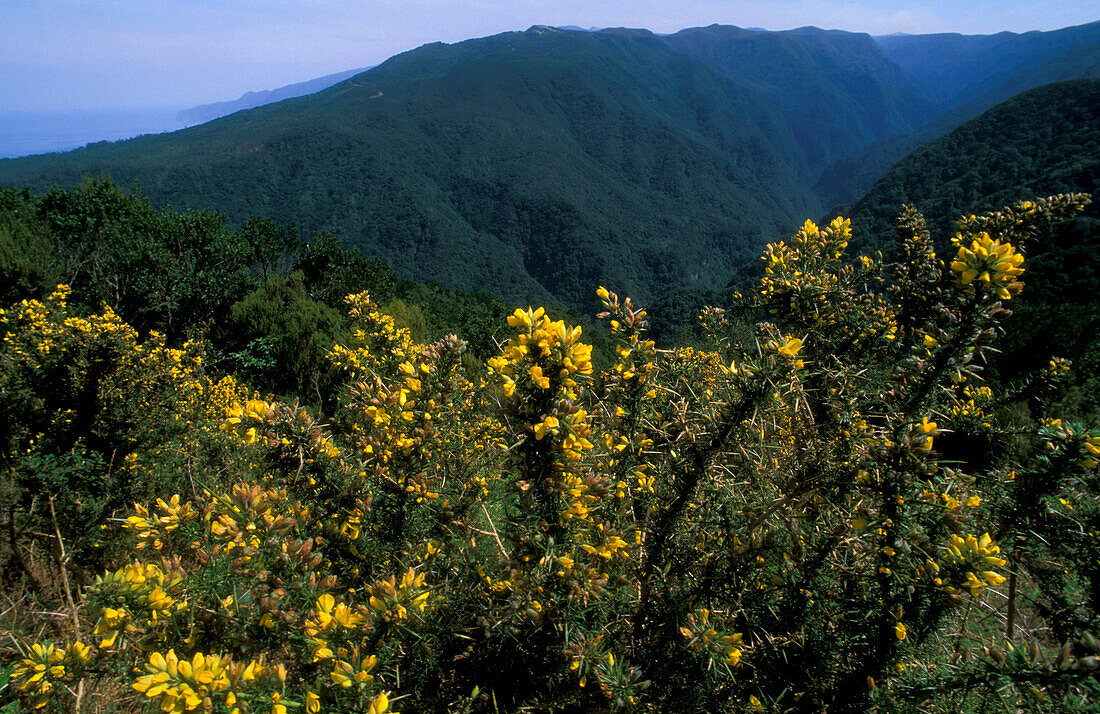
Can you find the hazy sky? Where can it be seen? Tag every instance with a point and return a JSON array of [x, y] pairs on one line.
[[128, 54]]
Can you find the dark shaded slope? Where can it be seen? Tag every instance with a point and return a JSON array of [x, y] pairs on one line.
[[850, 178], [954, 68], [534, 165], [1041, 142]]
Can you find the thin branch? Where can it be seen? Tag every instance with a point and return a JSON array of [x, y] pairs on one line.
[[63, 562]]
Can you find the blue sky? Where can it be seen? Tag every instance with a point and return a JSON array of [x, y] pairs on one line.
[[58, 55]]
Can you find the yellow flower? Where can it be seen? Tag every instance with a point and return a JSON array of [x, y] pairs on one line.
[[549, 423], [792, 347], [991, 263], [537, 377], [380, 705]]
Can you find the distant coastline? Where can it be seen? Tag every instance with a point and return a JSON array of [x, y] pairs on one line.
[[24, 133]]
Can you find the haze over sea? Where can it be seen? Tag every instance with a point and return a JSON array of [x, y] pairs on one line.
[[30, 132]]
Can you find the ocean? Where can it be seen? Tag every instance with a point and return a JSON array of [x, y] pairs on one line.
[[23, 133]]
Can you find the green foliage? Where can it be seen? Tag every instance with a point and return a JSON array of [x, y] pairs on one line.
[[81, 397], [162, 270], [334, 271], [408, 317], [283, 335], [533, 165], [260, 297], [273, 245], [26, 251], [827, 511]]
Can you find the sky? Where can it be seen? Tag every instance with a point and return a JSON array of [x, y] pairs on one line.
[[77, 55]]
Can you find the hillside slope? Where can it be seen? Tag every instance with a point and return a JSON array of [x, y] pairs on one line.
[[953, 69], [248, 100], [851, 177], [1039, 143], [539, 164]]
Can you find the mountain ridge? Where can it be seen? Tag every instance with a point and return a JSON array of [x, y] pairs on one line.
[[251, 99], [537, 164], [655, 168]]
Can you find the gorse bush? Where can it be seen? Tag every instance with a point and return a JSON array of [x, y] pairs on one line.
[[825, 510]]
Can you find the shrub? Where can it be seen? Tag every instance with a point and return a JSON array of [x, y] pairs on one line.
[[825, 511]]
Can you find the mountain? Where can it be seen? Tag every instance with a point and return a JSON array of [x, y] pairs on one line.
[[1042, 142], [990, 70], [537, 165], [834, 88], [953, 68], [249, 100]]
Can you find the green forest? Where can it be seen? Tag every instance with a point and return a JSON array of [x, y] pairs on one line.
[[822, 504], [533, 165], [592, 402]]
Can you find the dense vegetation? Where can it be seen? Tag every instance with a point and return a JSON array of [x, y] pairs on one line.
[[534, 165], [829, 510], [1042, 142], [247, 472], [267, 305], [966, 75]]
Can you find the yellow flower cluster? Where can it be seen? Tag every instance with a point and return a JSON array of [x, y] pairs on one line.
[[133, 601], [703, 637], [989, 263], [46, 666], [543, 354], [1057, 367], [356, 672], [799, 272], [250, 518], [973, 556], [148, 528], [921, 436], [179, 684], [326, 622], [400, 390], [971, 404], [787, 347], [1091, 445], [397, 601]]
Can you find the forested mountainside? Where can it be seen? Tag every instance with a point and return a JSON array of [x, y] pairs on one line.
[[1042, 142], [1034, 59], [954, 69], [537, 164], [248, 100]]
